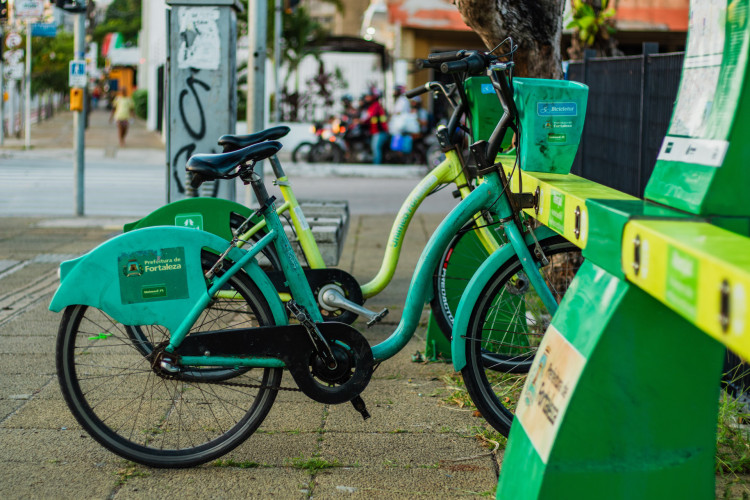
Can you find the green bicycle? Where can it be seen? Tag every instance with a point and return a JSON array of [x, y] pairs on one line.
[[157, 408]]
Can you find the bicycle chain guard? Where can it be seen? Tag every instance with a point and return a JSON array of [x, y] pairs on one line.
[[292, 344]]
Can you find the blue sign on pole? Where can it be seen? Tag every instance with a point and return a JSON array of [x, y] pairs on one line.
[[48, 30], [77, 74]]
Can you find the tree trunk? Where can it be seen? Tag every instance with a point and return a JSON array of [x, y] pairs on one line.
[[535, 25]]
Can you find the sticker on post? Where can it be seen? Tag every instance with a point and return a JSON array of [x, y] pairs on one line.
[[548, 390], [681, 291], [556, 220], [152, 275]]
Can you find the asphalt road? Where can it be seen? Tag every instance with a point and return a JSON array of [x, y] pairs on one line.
[[132, 183]]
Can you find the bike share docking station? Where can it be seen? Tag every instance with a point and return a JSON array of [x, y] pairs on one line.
[[623, 395], [201, 107]]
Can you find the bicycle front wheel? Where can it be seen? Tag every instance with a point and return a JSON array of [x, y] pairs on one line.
[[459, 262], [506, 328], [145, 415]]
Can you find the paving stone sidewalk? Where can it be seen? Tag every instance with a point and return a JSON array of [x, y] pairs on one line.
[[415, 445]]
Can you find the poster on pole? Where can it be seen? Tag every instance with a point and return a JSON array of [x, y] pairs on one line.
[[29, 9], [200, 43]]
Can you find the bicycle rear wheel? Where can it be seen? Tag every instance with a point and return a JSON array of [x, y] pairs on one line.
[[154, 418], [506, 328]]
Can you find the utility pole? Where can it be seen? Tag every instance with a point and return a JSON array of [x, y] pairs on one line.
[[27, 89], [2, 88], [256, 78], [79, 53], [277, 61]]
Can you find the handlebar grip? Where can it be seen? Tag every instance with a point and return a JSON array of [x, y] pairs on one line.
[[472, 64], [454, 66], [424, 63], [440, 57], [417, 91]]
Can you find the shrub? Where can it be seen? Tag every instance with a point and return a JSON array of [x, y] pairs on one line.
[[140, 98]]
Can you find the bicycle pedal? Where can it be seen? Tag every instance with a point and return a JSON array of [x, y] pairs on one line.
[[376, 318], [360, 406]]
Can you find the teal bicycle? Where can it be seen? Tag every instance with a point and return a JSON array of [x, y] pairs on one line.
[[209, 367]]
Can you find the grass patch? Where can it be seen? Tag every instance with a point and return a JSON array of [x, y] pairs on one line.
[[128, 471], [457, 395], [732, 437], [313, 464]]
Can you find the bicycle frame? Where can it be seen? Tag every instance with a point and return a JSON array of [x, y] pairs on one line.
[[489, 195]]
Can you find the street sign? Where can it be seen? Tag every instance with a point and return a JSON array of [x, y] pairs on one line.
[[29, 9], [14, 71], [48, 30], [13, 56], [77, 74], [13, 40]]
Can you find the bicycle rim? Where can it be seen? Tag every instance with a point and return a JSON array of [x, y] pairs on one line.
[[143, 416]]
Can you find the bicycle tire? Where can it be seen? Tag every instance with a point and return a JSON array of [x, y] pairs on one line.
[[506, 328], [177, 421], [302, 152], [459, 262]]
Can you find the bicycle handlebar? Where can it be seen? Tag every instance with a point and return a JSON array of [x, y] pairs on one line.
[[474, 63], [441, 57], [418, 91], [424, 63]]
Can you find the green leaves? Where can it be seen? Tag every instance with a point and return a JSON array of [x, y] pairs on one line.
[[592, 20]]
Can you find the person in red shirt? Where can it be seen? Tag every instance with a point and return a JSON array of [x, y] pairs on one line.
[[378, 123]]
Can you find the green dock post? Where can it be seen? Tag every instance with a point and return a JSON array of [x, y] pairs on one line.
[[615, 406], [622, 398], [437, 347]]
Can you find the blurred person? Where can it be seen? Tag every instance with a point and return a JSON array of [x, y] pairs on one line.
[[421, 115], [375, 116], [401, 103], [123, 110]]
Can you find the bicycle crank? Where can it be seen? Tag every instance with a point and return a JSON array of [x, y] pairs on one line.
[[325, 382]]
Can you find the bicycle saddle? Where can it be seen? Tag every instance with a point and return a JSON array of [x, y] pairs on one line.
[[208, 167], [234, 142]]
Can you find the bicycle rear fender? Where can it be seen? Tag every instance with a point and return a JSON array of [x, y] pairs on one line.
[[152, 276], [472, 292], [208, 214]]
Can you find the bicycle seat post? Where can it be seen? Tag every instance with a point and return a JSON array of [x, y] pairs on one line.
[[256, 182], [276, 166]]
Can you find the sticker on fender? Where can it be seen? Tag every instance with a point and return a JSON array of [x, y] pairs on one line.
[[548, 389], [150, 275]]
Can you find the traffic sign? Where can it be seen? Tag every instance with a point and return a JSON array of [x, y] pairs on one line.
[[29, 9], [77, 74], [13, 56], [13, 40], [14, 71], [48, 30]]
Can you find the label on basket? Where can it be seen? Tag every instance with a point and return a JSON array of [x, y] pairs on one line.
[[151, 275], [557, 109], [548, 390]]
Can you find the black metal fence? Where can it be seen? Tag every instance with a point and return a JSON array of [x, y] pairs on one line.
[[629, 108]]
